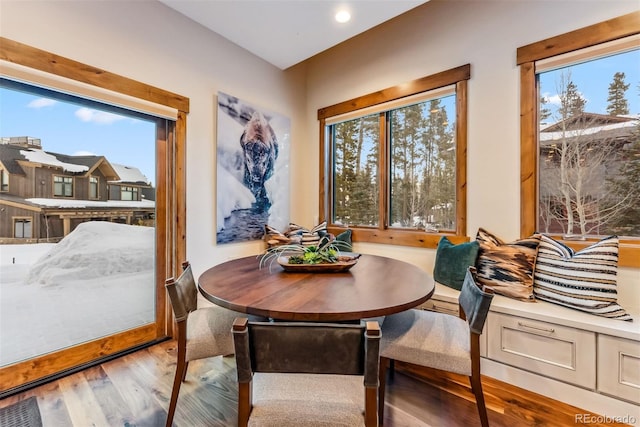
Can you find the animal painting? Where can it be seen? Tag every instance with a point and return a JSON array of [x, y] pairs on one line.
[[260, 149]]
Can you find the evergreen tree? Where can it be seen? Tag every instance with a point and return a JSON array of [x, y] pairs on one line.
[[406, 158], [624, 190], [617, 103], [437, 187], [345, 140], [572, 102], [545, 111]]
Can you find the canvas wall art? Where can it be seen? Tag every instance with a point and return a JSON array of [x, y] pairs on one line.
[[252, 173]]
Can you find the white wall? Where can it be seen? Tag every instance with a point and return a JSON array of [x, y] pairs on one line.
[[444, 34], [149, 42]]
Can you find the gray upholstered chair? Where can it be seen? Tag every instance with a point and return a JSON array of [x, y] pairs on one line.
[[278, 373], [440, 341], [201, 332]]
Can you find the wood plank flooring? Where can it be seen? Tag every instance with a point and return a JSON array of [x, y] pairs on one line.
[[134, 391]]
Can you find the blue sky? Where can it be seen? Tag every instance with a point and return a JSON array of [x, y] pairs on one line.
[[75, 129], [593, 79]]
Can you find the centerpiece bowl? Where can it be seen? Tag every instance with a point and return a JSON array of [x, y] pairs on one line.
[[344, 263], [325, 257]]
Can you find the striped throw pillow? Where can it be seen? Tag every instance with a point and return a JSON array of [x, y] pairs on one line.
[[584, 280], [307, 237]]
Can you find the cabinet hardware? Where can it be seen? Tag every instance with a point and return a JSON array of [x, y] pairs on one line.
[[537, 328]]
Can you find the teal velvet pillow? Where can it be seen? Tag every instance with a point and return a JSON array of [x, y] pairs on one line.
[[452, 262], [343, 241]]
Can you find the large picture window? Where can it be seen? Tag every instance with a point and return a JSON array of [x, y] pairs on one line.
[[580, 137], [394, 168]]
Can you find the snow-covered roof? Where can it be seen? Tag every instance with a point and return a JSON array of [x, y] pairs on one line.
[[552, 136], [129, 174], [42, 157], [69, 203]]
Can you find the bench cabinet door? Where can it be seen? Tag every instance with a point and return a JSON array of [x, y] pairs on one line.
[[556, 351], [619, 367]]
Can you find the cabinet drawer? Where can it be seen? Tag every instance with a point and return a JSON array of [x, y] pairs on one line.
[[440, 306], [563, 353], [619, 367]]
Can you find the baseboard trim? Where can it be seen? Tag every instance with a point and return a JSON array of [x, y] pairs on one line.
[[572, 395]]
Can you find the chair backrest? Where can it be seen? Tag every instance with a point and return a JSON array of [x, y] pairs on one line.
[[474, 301], [316, 348], [183, 293]]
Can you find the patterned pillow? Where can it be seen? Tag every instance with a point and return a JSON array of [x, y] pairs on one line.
[[273, 237], [452, 262], [585, 280], [305, 236], [507, 267]]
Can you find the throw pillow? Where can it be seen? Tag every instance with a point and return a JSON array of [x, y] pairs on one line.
[[452, 262], [584, 280], [507, 267], [343, 241], [273, 237], [305, 236]]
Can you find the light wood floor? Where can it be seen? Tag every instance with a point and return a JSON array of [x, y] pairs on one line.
[[134, 390]]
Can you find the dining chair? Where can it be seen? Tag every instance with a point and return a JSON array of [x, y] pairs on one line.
[[201, 332], [306, 374], [440, 341]]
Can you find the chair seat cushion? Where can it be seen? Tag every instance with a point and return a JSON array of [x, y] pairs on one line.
[[427, 338], [306, 400], [209, 332]]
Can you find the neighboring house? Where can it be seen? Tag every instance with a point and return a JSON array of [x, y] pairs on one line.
[[44, 195], [579, 158]]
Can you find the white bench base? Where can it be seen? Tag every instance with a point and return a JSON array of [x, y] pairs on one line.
[[559, 353]]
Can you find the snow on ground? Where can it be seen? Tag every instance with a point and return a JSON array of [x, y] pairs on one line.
[[97, 281]]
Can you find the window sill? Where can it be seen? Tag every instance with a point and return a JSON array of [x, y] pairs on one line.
[[413, 238]]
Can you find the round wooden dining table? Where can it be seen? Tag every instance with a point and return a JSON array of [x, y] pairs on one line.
[[375, 286]]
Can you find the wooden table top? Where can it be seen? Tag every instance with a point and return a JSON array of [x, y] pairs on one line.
[[375, 286]]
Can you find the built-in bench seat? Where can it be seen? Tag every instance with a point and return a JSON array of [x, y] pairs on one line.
[[588, 361], [547, 312]]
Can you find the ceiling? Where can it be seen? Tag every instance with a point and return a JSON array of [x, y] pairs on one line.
[[286, 32]]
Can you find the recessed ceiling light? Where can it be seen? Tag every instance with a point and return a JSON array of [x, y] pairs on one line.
[[343, 16]]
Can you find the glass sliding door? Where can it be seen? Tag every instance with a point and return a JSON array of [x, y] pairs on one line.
[[91, 171], [77, 225]]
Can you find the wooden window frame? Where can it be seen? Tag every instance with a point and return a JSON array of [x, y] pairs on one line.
[[133, 190], [22, 219], [606, 31], [64, 184], [170, 214], [97, 186], [383, 234], [4, 180]]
